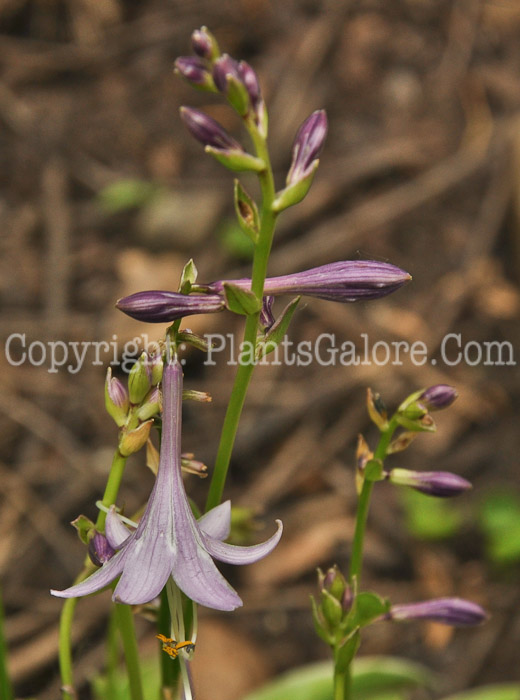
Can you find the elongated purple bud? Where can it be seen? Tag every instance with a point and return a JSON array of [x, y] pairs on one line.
[[161, 307], [448, 611], [437, 397], [117, 401], [350, 280], [194, 70], [307, 146], [204, 44], [225, 67], [441, 484], [208, 131], [250, 80]]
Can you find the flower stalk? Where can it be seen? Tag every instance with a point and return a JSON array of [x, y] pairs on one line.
[[245, 370]]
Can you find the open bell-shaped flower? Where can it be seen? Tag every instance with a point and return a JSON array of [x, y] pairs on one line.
[[169, 541]]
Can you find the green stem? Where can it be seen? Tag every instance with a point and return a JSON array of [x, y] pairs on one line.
[[112, 487], [69, 606], [356, 559], [245, 370], [125, 621], [342, 683], [112, 657], [6, 689]]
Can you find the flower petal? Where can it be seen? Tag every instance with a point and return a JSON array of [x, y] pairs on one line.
[[148, 566], [115, 530], [197, 576], [217, 522], [101, 578], [235, 554]]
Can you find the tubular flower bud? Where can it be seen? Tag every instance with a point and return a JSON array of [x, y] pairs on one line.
[[218, 142], [161, 307], [116, 399], [307, 146], [349, 280], [448, 611], [194, 70], [441, 484], [437, 397], [239, 82], [204, 44], [208, 131], [225, 68], [139, 380]]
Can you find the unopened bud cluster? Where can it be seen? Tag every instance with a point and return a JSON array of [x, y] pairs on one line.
[[331, 610], [412, 417], [133, 407]]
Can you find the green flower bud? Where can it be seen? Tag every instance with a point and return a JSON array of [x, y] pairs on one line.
[[139, 380], [151, 405]]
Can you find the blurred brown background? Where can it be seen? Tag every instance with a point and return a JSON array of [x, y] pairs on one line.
[[421, 168]]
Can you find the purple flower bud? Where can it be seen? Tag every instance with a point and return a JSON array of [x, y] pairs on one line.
[[448, 611], [208, 131], [99, 549], [116, 391], [250, 80], [117, 400], [438, 397], [441, 484], [161, 307], [203, 43], [307, 145], [195, 71], [350, 280], [225, 67]]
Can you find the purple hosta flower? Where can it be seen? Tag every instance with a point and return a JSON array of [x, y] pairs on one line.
[[161, 307], [195, 71], [449, 611], [438, 397], [442, 484], [350, 280], [168, 540], [208, 131], [307, 146]]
